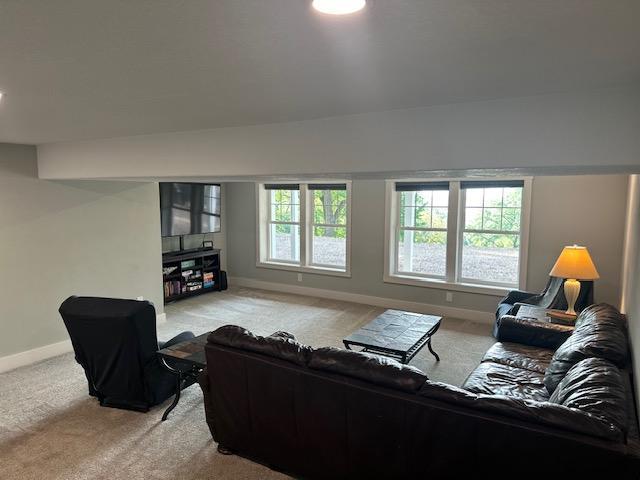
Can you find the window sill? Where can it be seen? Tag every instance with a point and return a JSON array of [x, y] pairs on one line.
[[334, 272], [444, 285]]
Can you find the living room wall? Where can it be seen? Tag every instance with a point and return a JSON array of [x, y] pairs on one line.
[[631, 276], [65, 238], [588, 210]]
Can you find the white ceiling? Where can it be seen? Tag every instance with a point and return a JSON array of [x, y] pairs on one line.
[[82, 69]]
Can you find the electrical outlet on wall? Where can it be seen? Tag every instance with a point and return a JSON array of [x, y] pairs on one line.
[[299, 277], [449, 297]]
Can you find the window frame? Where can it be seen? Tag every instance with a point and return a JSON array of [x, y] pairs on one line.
[[306, 224], [455, 234]]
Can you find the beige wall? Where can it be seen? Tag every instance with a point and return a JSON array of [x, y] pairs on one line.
[[588, 210], [65, 238], [631, 275]]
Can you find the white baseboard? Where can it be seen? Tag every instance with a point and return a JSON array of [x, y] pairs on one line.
[[441, 310], [39, 354], [35, 355]]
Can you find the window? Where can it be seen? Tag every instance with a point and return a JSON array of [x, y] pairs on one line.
[[328, 225], [284, 223], [422, 229], [458, 235], [490, 243], [304, 226]]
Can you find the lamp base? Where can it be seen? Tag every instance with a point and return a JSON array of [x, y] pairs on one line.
[[571, 291]]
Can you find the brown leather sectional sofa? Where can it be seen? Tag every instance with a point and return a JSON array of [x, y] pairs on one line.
[[544, 401]]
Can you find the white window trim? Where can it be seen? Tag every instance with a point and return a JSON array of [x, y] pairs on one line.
[[453, 242], [271, 222], [306, 237]]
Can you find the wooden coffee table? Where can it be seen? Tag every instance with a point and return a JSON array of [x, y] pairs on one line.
[[396, 334]]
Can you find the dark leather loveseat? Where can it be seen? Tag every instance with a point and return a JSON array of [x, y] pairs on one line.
[[541, 403]]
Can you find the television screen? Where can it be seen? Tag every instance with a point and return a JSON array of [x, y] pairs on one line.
[[189, 208]]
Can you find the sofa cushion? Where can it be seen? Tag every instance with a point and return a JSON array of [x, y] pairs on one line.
[[279, 345], [600, 333], [546, 413], [371, 368], [595, 386], [520, 356], [496, 379]]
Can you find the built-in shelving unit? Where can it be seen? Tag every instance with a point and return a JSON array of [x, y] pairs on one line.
[[185, 274]]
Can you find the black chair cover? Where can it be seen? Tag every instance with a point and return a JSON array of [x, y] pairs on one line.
[[115, 342], [552, 297]]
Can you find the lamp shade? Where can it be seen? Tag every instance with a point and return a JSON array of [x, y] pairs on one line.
[[575, 262]]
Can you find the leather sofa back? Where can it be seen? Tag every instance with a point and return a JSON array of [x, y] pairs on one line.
[[595, 386], [370, 368], [600, 332], [555, 414], [279, 345]]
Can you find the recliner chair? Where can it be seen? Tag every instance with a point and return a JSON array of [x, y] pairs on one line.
[[552, 297], [115, 342]]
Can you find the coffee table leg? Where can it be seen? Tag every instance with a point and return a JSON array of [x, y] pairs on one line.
[[431, 350], [176, 398]]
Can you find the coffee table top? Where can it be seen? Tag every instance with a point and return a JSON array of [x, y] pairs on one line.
[[189, 352], [395, 331]]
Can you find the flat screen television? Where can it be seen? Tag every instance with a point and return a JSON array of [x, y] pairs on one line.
[[189, 208]]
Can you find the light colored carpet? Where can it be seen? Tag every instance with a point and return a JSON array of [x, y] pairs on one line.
[[51, 429]]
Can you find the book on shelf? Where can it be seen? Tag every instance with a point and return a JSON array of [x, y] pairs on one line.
[[208, 280], [561, 317], [169, 270], [172, 287], [191, 274], [187, 264]]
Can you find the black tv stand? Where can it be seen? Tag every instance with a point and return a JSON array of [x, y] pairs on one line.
[[189, 273], [187, 251]]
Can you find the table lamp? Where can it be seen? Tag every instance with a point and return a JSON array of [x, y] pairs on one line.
[[574, 263]]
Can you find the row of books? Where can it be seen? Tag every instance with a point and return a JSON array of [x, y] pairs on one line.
[[190, 284], [191, 274], [171, 288]]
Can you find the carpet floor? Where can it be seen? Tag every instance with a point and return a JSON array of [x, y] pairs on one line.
[[51, 429]]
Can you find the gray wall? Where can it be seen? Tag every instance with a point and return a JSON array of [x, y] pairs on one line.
[[631, 275], [588, 210], [64, 238]]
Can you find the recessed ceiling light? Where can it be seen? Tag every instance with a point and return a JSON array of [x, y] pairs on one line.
[[338, 7]]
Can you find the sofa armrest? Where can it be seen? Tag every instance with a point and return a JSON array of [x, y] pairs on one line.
[[531, 332], [203, 380]]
